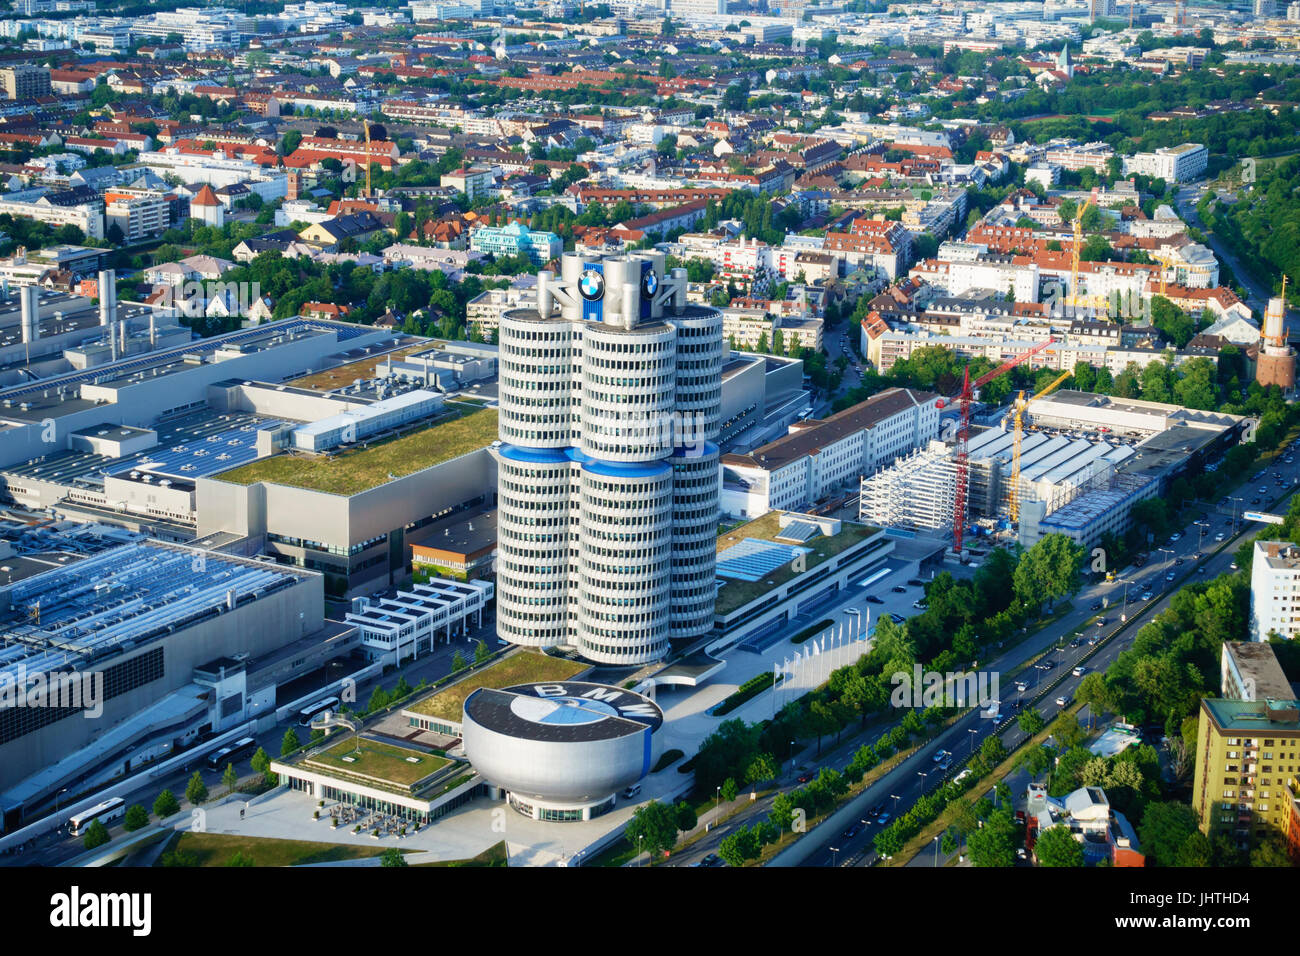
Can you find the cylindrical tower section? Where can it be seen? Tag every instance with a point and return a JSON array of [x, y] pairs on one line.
[[625, 561], [532, 545], [695, 533], [628, 392], [535, 376], [700, 354]]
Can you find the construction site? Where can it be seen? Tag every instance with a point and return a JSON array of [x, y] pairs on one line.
[[1074, 464]]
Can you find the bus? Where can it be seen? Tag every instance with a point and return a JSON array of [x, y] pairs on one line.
[[232, 754], [106, 813], [308, 714]]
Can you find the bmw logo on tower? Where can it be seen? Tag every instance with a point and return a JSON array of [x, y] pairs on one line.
[[592, 285]]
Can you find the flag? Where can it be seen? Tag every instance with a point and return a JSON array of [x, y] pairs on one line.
[[816, 649]]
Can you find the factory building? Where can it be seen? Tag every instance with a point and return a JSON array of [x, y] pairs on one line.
[[120, 635]]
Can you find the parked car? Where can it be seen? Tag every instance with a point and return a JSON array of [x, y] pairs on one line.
[[896, 618], [916, 583], [919, 605], [1233, 566], [899, 589], [872, 599]]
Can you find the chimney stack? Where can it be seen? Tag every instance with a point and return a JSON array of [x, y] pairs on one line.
[[107, 289], [30, 299]]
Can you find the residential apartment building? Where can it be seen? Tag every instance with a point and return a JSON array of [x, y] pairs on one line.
[[1173, 164], [1274, 590], [140, 213], [25, 82], [1246, 770]]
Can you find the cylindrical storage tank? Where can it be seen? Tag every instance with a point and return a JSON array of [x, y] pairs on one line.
[[628, 392], [625, 561], [696, 481], [535, 369], [533, 538]]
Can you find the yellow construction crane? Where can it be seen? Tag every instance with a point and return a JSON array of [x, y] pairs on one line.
[[1075, 299], [1021, 406], [1166, 263]]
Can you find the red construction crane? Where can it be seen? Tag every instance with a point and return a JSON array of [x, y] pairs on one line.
[[966, 397]]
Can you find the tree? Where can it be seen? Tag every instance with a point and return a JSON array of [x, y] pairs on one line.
[[1056, 846], [762, 767], [289, 743], [230, 778], [136, 817], [239, 860], [378, 700], [686, 816], [1048, 571], [458, 662], [653, 828], [740, 846], [96, 836], [729, 789], [165, 805], [393, 857], [1270, 852], [1030, 721], [994, 844], [1094, 692], [1164, 829], [481, 652], [196, 791], [261, 763]]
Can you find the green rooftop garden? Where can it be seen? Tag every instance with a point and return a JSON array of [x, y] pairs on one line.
[[379, 762], [736, 594], [360, 469], [520, 668]]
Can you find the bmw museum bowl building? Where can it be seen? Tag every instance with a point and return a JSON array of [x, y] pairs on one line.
[[561, 751]]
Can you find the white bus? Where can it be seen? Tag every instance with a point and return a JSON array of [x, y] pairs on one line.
[[310, 713], [106, 813]]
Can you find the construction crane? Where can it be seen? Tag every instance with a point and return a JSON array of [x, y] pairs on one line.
[[1021, 407], [966, 397], [365, 125], [1075, 299], [1166, 263]]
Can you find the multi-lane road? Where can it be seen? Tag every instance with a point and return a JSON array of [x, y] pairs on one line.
[[1097, 615]]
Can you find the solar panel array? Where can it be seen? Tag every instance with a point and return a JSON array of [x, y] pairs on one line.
[[113, 600], [754, 558], [193, 447], [799, 531]]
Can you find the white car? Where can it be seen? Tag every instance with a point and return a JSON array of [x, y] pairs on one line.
[[1062, 701], [1176, 536], [1219, 536], [1079, 671]]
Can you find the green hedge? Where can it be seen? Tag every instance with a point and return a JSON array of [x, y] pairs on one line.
[[750, 689], [808, 632]]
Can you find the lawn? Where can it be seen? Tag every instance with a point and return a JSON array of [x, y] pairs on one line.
[[361, 469], [342, 375], [519, 668], [735, 594], [494, 855], [379, 761], [216, 849]]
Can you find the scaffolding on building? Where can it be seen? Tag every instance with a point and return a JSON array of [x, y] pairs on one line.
[[916, 494]]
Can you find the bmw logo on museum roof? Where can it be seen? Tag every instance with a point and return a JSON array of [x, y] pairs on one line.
[[649, 284], [591, 285]]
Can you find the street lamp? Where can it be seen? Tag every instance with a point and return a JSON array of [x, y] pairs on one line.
[[973, 734], [896, 798], [639, 837], [922, 774], [717, 805], [936, 852]]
